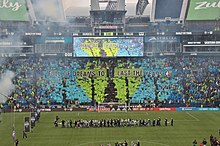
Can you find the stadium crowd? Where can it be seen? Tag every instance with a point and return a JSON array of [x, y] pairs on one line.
[[48, 81]]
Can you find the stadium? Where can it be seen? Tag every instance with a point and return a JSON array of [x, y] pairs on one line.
[[112, 76]]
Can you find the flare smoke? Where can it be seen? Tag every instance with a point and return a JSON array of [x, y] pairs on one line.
[[6, 85]]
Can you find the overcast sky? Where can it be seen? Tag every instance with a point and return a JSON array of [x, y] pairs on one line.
[[82, 7]]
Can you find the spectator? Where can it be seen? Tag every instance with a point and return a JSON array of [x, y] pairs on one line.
[[195, 142], [204, 142]]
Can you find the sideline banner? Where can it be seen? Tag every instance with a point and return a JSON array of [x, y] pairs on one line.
[[153, 109], [176, 109], [197, 109], [186, 109], [98, 109], [208, 109]]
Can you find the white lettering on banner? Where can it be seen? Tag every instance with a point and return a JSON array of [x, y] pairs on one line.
[[212, 42], [10, 5], [164, 109], [205, 5]]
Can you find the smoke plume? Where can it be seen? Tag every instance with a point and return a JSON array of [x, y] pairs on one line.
[[7, 42], [6, 85], [49, 10]]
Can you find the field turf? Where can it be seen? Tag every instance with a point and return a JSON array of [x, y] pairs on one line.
[[187, 127]]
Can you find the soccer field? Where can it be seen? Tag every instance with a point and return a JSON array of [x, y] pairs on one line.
[[187, 127]]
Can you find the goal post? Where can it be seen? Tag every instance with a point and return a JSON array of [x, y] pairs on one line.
[[112, 106]]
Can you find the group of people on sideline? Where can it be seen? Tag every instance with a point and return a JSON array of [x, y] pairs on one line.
[[213, 142], [112, 123]]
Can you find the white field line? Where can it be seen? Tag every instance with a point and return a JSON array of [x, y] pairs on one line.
[[185, 120], [192, 116]]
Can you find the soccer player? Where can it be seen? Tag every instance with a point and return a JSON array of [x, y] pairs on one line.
[[148, 122], [63, 123], [165, 122], [1, 106], [71, 123], [153, 123], [211, 138], [0, 112], [24, 134], [171, 122], [16, 142], [55, 123], [32, 122], [159, 120], [138, 143], [57, 118], [125, 143]]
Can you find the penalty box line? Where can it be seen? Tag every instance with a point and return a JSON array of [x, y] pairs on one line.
[[192, 116]]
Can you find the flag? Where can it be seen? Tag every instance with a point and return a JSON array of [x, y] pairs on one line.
[[13, 135]]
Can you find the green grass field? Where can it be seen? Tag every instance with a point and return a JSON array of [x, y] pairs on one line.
[[187, 127]]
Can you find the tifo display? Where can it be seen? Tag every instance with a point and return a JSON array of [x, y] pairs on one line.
[[108, 46], [168, 80]]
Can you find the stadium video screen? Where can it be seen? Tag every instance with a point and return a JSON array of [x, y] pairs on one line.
[[168, 8], [108, 46]]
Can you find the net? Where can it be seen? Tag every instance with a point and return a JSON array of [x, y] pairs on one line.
[[112, 106]]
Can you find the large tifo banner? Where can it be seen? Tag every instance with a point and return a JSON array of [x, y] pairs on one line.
[[108, 46], [85, 73], [128, 72], [204, 10], [13, 10]]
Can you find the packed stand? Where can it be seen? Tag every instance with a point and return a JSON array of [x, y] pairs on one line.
[[182, 80]]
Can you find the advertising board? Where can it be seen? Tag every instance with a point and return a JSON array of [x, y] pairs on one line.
[[13, 10], [204, 10]]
